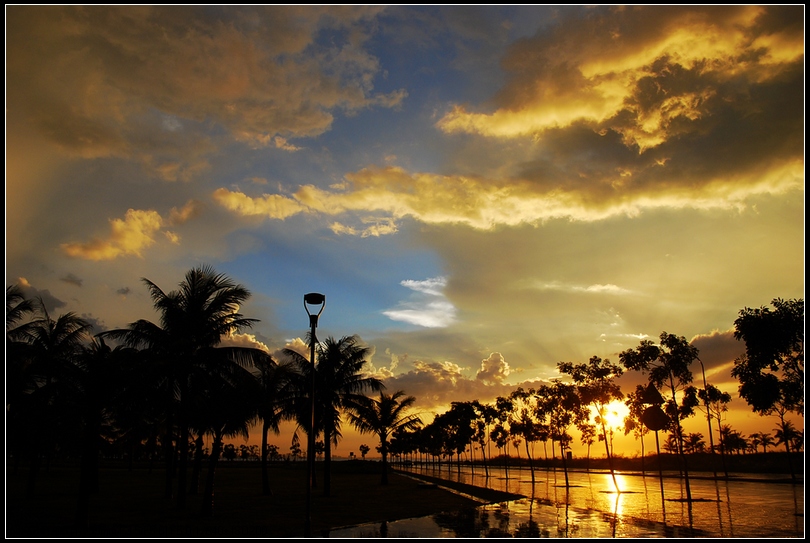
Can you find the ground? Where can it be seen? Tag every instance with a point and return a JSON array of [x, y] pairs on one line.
[[131, 502]]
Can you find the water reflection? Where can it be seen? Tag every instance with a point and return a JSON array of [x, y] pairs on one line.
[[590, 507]]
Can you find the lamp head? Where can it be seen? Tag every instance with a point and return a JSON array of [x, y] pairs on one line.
[[314, 298]]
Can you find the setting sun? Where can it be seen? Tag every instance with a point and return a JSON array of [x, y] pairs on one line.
[[615, 412]]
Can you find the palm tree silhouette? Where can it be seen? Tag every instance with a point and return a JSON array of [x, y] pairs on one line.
[[275, 381], [229, 401], [99, 378], [762, 438], [383, 417], [52, 348], [20, 381], [338, 379], [186, 344]]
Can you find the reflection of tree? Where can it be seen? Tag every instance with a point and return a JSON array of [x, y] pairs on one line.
[[528, 529], [468, 522]]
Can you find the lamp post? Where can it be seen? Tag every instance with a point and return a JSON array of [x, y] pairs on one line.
[[312, 299]]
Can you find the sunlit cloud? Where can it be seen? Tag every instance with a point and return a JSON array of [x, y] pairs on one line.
[[428, 308], [190, 210], [644, 72], [244, 340], [440, 371], [297, 345], [128, 236], [486, 204], [494, 369], [376, 228], [433, 286], [283, 144], [273, 206], [595, 289]]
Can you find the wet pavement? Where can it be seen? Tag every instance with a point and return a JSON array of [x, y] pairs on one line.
[[648, 506]]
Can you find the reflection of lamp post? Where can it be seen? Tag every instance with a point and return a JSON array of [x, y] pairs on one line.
[[314, 299]]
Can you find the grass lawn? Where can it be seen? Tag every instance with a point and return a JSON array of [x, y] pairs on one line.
[[132, 504]]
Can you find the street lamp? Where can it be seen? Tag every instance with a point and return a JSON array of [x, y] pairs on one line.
[[312, 299]]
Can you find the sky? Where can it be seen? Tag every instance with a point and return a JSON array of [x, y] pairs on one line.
[[479, 192]]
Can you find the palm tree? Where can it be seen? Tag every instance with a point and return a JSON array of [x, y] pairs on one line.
[[338, 380], [274, 406], [19, 380], [694, 443], [786, 434], [230, 400], [99, 378], [762, 438], [671, 443], [193, 322], [383, 417], [52, 348]]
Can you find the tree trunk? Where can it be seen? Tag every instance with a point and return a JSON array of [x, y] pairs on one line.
[[531, 462], [384, 453], [196, 470], [208, 495], [265, 476], [88, 481], [327, 463], [609, 455]]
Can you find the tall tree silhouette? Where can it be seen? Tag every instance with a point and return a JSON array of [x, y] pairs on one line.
[[20, 381], [667, 366], [276, 382], [597, 387], [52, 348], [194, 319], [339, 378], [771, 372], [383, 417]]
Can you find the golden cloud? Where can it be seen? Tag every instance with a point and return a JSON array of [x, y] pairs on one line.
[[633, 70], [485, 203], [273, 206], [128, 236]]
